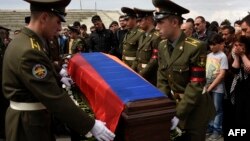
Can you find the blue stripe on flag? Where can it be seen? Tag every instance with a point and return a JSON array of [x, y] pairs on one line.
[[125, 83]]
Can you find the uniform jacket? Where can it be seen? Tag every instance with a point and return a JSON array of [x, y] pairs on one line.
[[130, 44], [147, 53], [176, 75], [79, 45], [29, 76]]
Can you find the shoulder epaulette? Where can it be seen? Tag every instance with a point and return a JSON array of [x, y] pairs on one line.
[[192, 41], [140, 30], [78, 39], [34, 44], [164, 40], [157, 33]]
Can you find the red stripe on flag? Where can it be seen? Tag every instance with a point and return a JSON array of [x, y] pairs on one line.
[[105, 104]]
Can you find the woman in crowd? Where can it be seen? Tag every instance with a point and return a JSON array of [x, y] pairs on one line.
[[240, 94]]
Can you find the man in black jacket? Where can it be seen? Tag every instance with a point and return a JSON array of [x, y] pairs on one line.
[[102, 39]]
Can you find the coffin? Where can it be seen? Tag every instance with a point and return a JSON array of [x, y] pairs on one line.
[[131, 107]]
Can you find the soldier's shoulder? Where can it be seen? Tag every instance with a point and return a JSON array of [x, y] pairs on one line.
[[192, 42], [140, 30], [30, 39], [156, 33], [163, 41]]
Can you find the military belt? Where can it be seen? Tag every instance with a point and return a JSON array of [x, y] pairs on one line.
[[22, 106], [129, 58], [143, 65]]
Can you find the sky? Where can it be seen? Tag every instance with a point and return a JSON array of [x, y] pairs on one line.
[[211, 9]]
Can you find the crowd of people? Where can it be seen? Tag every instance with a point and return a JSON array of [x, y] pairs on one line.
[[204, 66]]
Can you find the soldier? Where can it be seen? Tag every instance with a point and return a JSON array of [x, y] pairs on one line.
[[147, 53], [181, 72], [131, 39], [79, 44], [29, 82]]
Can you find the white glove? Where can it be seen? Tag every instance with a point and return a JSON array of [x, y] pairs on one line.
[[101, 132], [67, 81], [65, 66], [174, 122], [63, 72]]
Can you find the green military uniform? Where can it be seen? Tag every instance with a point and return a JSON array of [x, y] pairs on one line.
[[29, 82], [181, 75], [79, 44], [147, 53], [146, 63], [175, 77], [130, 45], [130, 42]]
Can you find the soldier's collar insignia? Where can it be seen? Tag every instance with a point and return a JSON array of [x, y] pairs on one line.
[[39, 71]]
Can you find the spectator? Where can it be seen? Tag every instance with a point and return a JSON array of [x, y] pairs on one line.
[[119, 36], [114, 26], [187, 28], [102, 39], [216, 67]]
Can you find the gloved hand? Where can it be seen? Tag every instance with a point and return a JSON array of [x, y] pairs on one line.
[[63, 72], [67, 81], [65, 66], [174, 122], [101, 132]]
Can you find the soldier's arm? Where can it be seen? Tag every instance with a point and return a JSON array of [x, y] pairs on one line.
[[37, 74], [162, 82], [195, 87], [134, 65], [153, 63]]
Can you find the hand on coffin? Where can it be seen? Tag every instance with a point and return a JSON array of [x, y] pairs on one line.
[[101, 132], [174, 122], [63, 72], [67, 81], [65, 66]]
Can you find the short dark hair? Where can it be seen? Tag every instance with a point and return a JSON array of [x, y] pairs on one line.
[[215, 39], [83, 26], [114, 22], [230, 28], [191, 20], [238, 22], [246, 19], [225, 22], [245, 40], [213, 26], [96, 18], [77, 23], [202, 19]]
